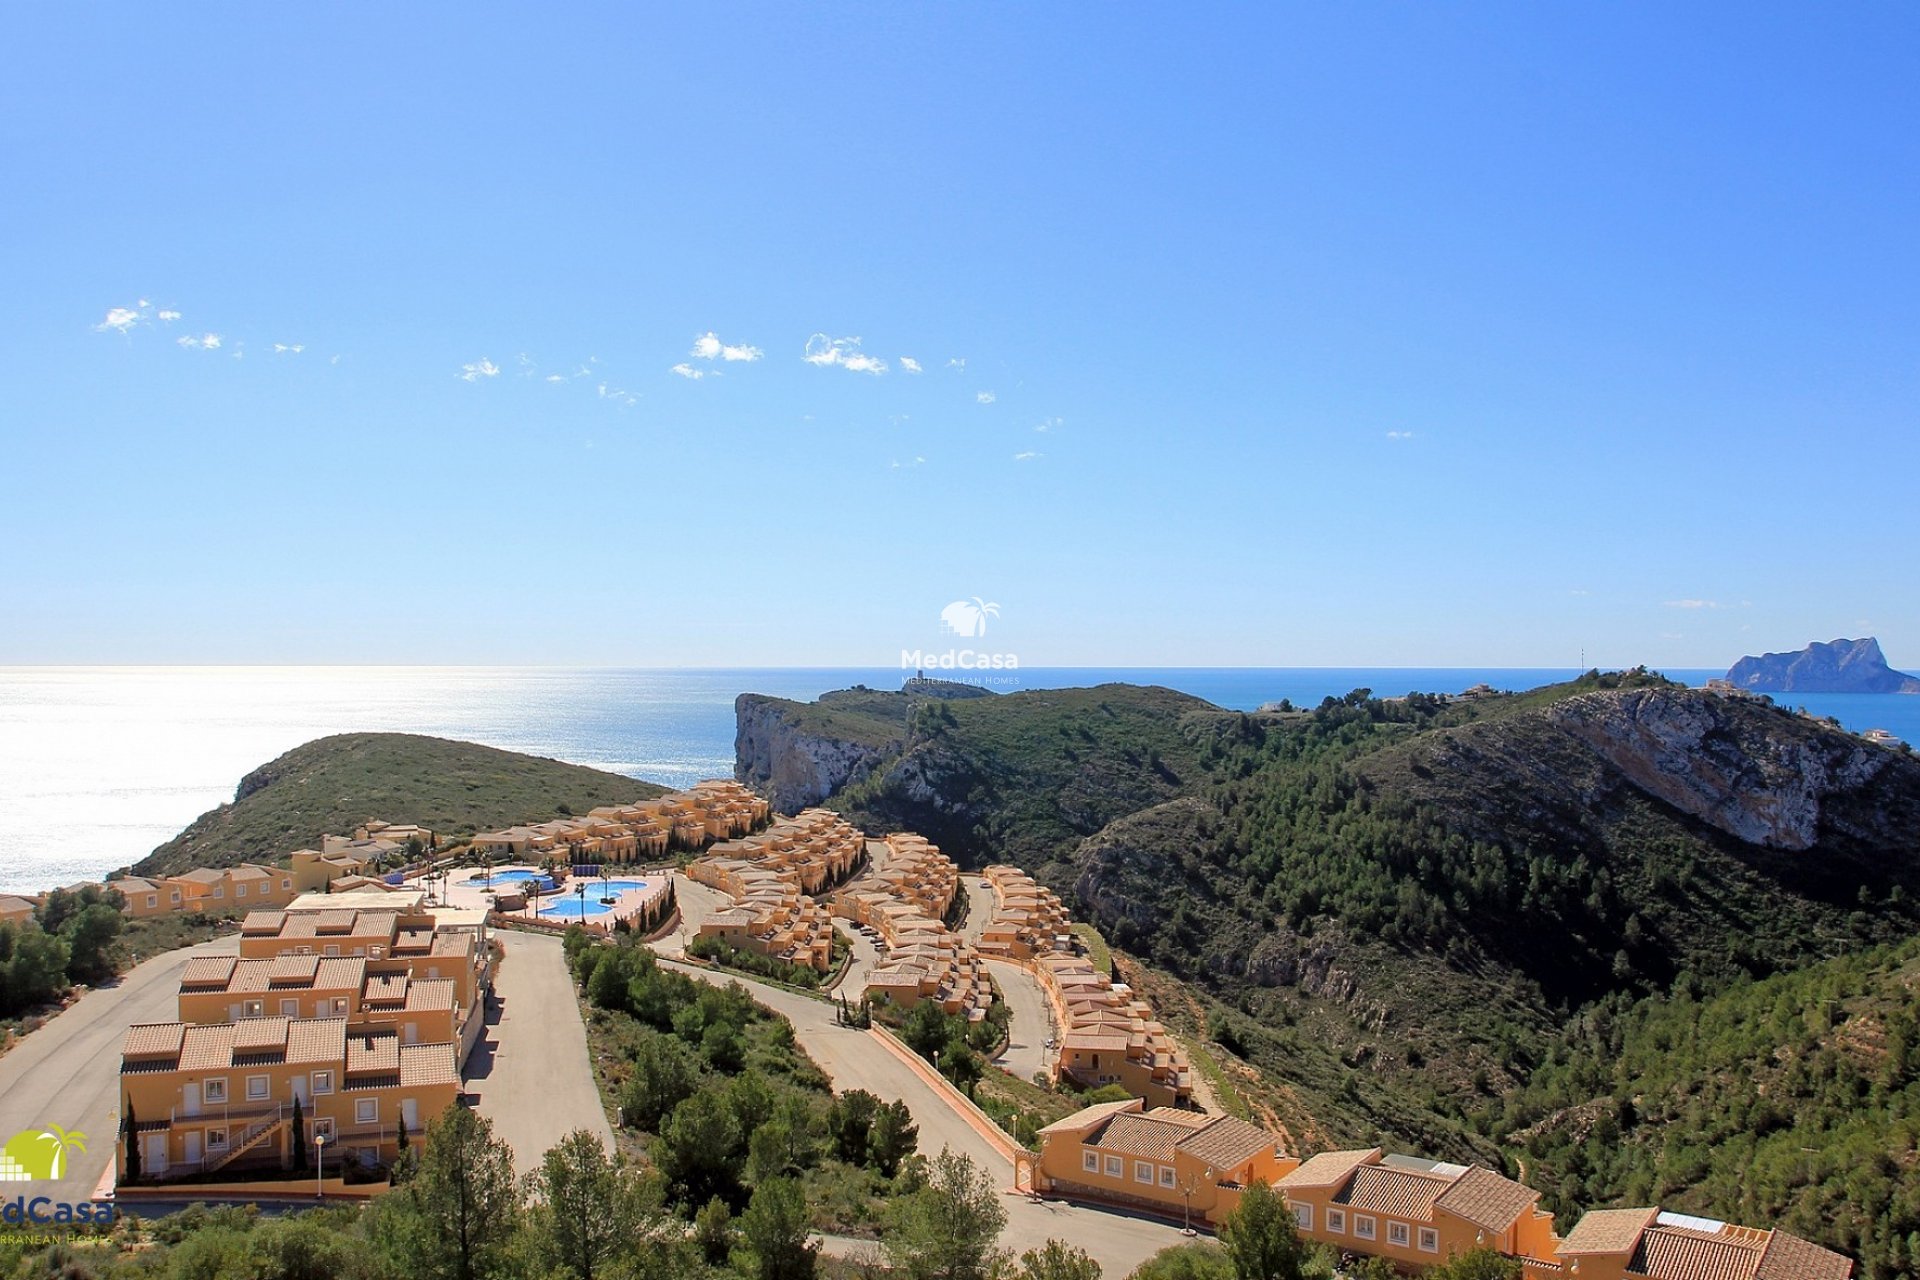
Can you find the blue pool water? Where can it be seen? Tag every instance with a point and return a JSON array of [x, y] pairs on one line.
[[615, 886], [575, 908]]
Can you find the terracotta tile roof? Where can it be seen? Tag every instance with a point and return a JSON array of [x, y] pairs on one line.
[[207, 1048], [263, 922], [1227, 1142], [1607, 1231], [375, 1053], [1401, 1193], [317, 1040], [1487, 1199], [428, 1064], [430, 995], [1134, 1134], [339, 973], [1668, 1253], [201, 875], [153, 1040], [386, 988], [1329, 1168], [208, 971], [1788, 1257], [291, 971], [260, 1035], [1087, 1117]]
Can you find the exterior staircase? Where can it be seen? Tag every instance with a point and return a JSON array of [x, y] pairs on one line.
[[249, 1138]]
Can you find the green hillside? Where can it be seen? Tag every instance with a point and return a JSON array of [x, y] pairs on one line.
[[331, 785], [1384, 914]]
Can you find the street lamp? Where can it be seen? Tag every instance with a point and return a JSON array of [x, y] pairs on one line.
[[319, 1165]]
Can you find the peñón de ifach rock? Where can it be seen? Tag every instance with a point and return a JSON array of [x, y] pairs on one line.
[[1837, 666]]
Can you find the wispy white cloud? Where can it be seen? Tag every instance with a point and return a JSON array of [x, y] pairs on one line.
[[845, 352], [1049, 424], [526, 365], [288, 348], [1693, 604], [984, 397], [205, 342], [709, 347], [1578, 591], [119, 320], [481, 368], [909, 364], [560, 378], [958, 362], [1399, 435], [688, 371], [899, 465], [168, 315], [625, 399], [1028, 455]]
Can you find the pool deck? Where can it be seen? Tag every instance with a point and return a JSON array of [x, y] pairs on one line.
[[469, 891]]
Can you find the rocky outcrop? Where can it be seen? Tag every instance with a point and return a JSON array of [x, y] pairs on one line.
[[794, 765], [1837, 666], [1752, 774]]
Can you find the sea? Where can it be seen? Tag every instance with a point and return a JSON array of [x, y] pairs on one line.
[[98, 765]]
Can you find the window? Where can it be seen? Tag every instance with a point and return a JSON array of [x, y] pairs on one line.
[[332, 949], [1116, 1167], [339, 1004], [1397, 1234], [289, 1008], [215, 1089], [366, 1111], [286, 886], [323, 1127], [153, 901], [322, 1081], [1303, 1216], [1429, 1240], [217, 1139], [1090, 1161], [1363, 1226], [257, 1088], [239, 891], [253, 1008], [1166, 1175], [1337, 1221], [1143, 1172]]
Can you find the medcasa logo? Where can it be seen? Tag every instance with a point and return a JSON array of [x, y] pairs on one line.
[[41, 1155], [964, 619]]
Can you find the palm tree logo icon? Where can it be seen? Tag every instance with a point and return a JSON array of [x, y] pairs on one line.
[[40, 1155], [968, 617]]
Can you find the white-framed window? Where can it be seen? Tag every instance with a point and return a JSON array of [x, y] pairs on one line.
[[366, 1111], [339, 1004], [1429, 1240], [176, 897], [252, 1008], [1166, 1175], [217, 1139], [258, 1087], [153, 901], [1116, 1167], [286, 886], [1363, 1226], [1337, 1221], [1303, 1216], [359, 951], [239, 891], [289, 1008], [321, 1081], [433, 971], [1090, 1161], [1397, 1233], [1143, 1172], [323, 1127], [214, 1089], [331, 949]]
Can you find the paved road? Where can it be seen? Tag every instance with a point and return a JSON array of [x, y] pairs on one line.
[[698, 904], [979, 908], [1026, 1054], [68, 1072], [1117, 1241], [531, 1071]]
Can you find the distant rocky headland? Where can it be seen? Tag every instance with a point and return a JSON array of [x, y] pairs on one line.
[[1836, 666]]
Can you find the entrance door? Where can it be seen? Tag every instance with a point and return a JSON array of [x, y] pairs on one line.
[[154, 1162], [193, 1148], [413, 1033], [410, 1114], [190, 1101]]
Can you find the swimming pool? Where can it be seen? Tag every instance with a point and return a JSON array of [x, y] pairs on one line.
[[613, 886], [511, 879], [575, 908]]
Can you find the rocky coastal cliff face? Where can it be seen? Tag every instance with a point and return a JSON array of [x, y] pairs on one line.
[[792, 765], [1725, 769], [1836, 666]]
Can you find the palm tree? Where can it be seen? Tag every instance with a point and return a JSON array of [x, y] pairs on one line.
[[63, 1140], [986, 611]]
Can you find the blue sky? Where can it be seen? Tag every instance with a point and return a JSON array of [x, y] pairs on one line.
[[1258, 335]]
